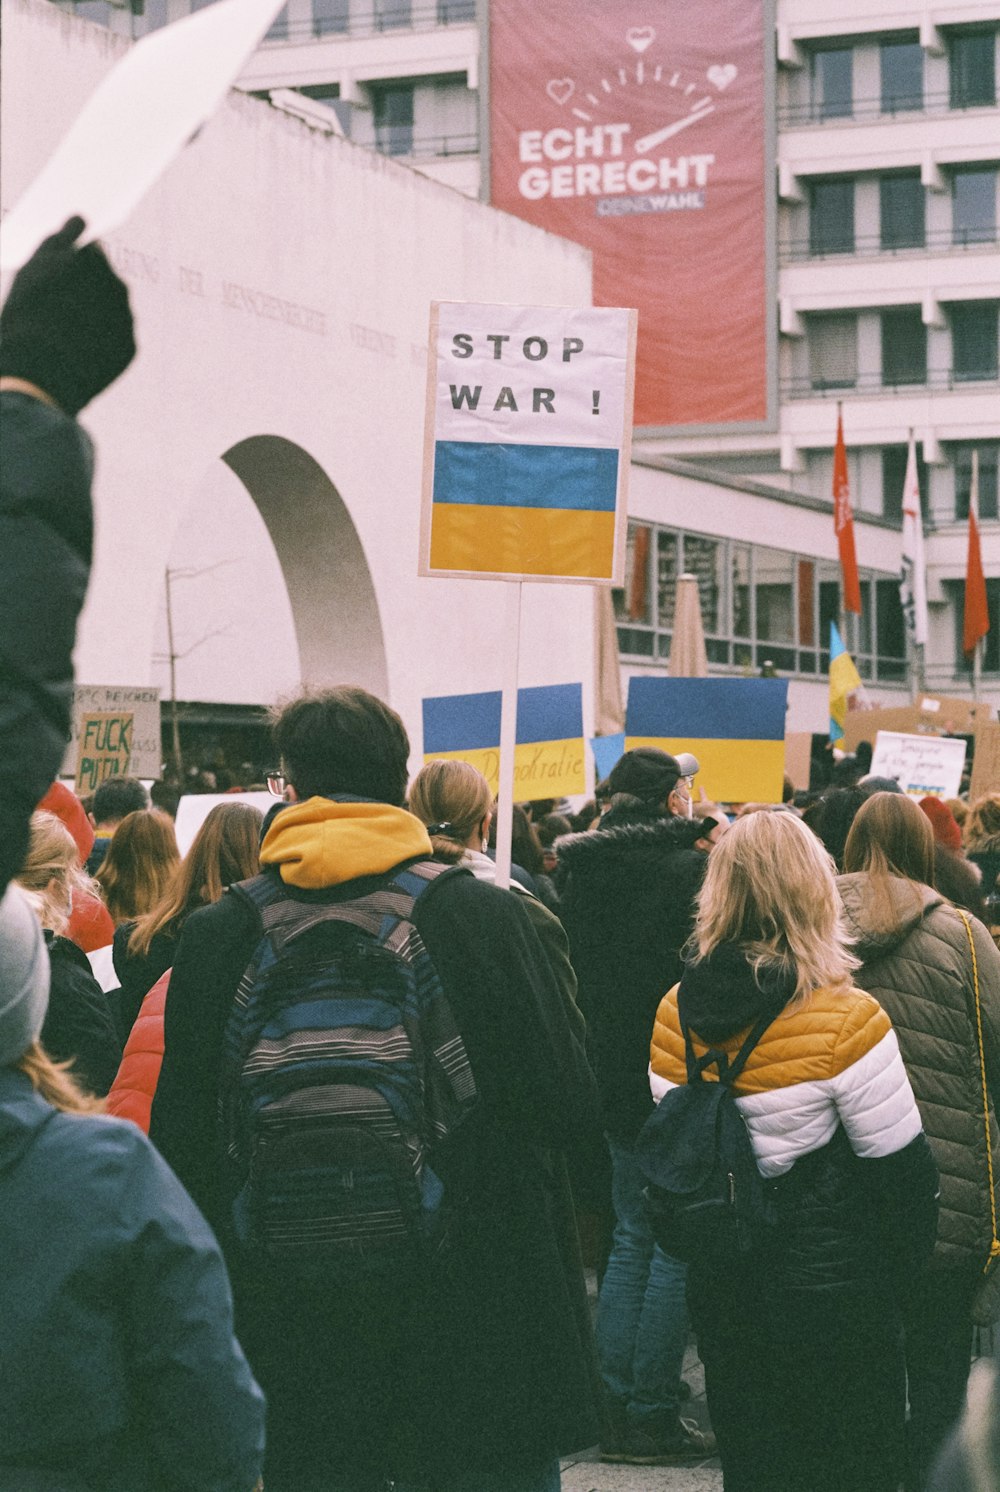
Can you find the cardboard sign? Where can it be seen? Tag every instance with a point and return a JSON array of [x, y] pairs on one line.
[[985, 762], [933, 714], [735, 727], [141, 705], [104, 749], [549, 755], [798, 758], [527, 442], [924, 766]]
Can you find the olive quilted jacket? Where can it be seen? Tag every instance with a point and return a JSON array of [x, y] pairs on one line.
[[920, 971]]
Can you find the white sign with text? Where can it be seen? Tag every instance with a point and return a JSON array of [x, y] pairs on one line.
[[924, 766]]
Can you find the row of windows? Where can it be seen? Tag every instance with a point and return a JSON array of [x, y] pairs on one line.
[[365, 17], [833, 349], [902, 213], [901, 81]]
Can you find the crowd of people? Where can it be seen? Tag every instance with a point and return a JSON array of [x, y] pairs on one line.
[[372, 1100]]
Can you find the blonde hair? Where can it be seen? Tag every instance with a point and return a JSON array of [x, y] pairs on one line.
[[55, 1083], [982, 826], [141, 858], [52, 856], [225, 849], [453, 794], [770, 889]]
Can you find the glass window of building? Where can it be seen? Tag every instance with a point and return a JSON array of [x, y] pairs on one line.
[[972, 69], [667, 571], [833, 82], [974, 340], [990, 645], [705, 560], [901, 211], [831, 216], [974, 205], [890, 630], [989, 459], [774, 598], [833, 351], [331, 17], [894, 459], [904, 346], [450, 11], [388, 15], [902, 76], [393, 108]]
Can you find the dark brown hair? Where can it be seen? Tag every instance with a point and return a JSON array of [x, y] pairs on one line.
[[343, 741], [890, 836]]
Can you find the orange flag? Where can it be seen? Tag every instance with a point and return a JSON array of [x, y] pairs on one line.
[[843, 523], [976, 622]]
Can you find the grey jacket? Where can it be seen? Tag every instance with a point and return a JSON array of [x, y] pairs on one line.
[[920, 970]]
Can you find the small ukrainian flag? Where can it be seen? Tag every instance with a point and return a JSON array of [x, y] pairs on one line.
[[844, 679]]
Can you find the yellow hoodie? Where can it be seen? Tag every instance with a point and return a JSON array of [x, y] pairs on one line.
[[323, 843]]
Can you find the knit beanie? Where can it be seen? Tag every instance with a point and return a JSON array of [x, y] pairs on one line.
[[649, 774], [946, 830], [24, 976]]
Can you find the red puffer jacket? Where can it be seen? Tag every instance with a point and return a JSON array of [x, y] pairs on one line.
[[134, 1088]]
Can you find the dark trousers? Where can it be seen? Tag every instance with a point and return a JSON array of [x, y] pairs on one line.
[[802, 1398], [938, 1357]]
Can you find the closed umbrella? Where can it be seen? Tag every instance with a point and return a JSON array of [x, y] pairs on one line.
[[688, 659]]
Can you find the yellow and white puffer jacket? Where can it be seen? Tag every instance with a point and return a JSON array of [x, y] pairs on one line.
[[828, 1107]]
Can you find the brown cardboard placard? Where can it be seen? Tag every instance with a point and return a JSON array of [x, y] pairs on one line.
[[986, 762], [798, 755], [104, 748]]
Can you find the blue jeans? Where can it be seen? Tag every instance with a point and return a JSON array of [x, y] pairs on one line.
[[642, 1319], [543, 1478]]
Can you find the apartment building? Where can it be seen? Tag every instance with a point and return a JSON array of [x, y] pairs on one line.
[[888, 298]]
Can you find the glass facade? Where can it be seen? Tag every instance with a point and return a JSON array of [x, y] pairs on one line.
[[831, 216], [833, 82], [759, 605], [972, 69], [974, 204], [904, 346], [393, 107], [901, 211], [974, 325], [901, 67]]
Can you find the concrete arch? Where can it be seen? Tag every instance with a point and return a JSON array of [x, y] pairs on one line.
[[334, 605]]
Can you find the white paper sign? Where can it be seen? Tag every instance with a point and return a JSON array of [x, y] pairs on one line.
[[139, 117], [193, 810], [924, 766]]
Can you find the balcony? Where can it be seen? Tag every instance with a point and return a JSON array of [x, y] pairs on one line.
[[938, 240], [333, 20], [873, 385], [397, 141], [863, 110]]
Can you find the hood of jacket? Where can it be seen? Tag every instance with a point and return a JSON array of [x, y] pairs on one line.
[[22, 1114], [874, 929], [636, 837], [326, 842], [721, 995]]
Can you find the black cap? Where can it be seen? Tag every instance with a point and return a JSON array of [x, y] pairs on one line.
[[646, 773]]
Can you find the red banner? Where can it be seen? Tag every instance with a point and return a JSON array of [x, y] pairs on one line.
[[638, 130]]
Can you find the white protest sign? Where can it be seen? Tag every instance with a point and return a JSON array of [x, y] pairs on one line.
[[138, 118], [527, 442], [141, 706], [924, 766], [194, 808]]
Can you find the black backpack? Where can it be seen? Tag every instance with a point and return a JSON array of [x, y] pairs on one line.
[[706, 1199]]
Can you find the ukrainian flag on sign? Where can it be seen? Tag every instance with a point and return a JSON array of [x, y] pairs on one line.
[[549, 756], [524, 509], [735, 727]]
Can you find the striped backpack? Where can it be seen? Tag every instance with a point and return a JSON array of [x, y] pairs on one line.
[[343, 1073]]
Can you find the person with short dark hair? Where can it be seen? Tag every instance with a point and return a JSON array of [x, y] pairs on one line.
[[478, 1371], [114, 799]]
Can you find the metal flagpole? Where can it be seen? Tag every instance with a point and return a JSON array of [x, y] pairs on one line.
[[508, 731]]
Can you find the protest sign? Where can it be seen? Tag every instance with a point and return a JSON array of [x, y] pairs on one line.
[[607, 751], [142, 706], [549, 754], [735, 727], [798, 758], [142, 113], [934, 714], [985, 762], [194, 808], [104, 749], [924, 766], [527, 442]]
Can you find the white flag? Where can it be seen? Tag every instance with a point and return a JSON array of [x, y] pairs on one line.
[[913, 576]]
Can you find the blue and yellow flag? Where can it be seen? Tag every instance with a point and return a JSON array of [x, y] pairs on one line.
[[735, 727], [549, 756], [844, 679]]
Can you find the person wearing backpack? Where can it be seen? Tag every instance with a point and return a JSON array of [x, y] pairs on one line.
[[398, 1081], [795, 1299]]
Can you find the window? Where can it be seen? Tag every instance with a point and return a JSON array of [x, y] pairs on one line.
[[989, 455], [890, 630], [904, 346], [388, 15], [667, 571], [832, 83], [972, 65], [394, 119], [894, 460], [330, 16], [901, 212], [449, 11], [833, 351], [705, 559], [774, 595], [974, 205], [990, 645], [902, 76], [831, 216], [974, 340]]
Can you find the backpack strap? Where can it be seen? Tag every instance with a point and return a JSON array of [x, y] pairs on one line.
[[729, 1070]]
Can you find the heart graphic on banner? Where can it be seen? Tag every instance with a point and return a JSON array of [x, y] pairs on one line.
[[561, 89], [722, 76], [640, 37]]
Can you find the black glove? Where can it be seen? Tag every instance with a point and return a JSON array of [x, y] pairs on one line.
[[66, 325]]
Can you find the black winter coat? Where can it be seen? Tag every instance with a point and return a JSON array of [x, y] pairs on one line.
[[46, 534], [79, 1026], [627, 894], [494, 1361], [138, 972]]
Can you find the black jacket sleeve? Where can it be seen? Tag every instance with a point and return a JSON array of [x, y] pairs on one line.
[[79, 1026], [45, 551]]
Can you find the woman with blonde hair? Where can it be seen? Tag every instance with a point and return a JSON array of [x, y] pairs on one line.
[[225, 849], [118, 1365], [141, 858], [800, 1339], [916, 955], [79, 1026]]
